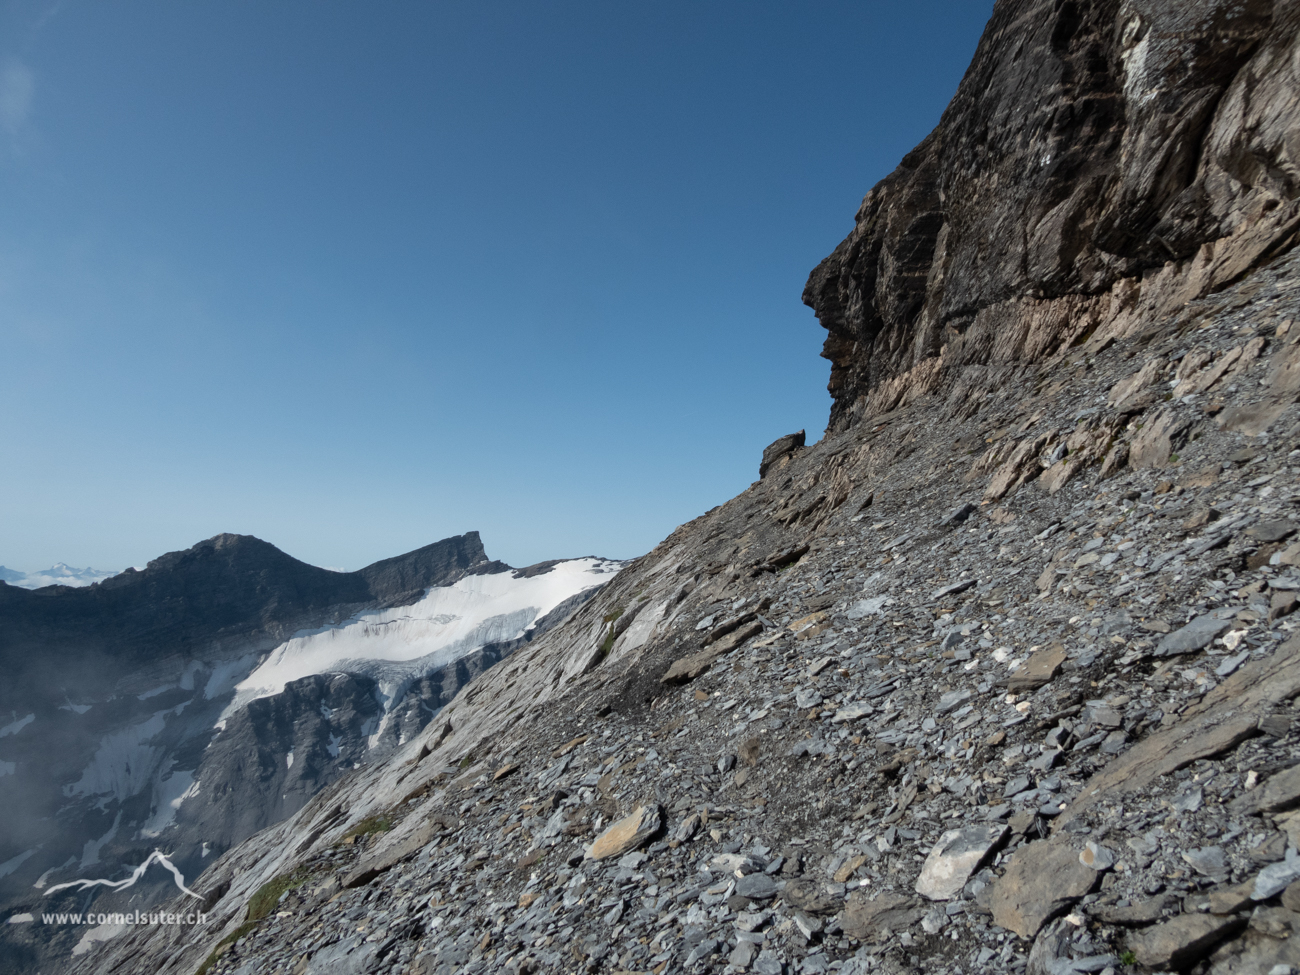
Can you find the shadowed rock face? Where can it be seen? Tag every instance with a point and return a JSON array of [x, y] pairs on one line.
[[1094, 154], [228, 587], [118, 731]]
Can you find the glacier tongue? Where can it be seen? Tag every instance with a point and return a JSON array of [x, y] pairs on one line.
[[401, 644]]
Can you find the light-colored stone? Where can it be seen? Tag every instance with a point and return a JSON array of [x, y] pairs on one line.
[[1135, 392], [1020, 467], [1040, 668], [852, 712], [688, 828], [1097, 857], [628, 833], [849, 868], [1207, 377], [956, 856]]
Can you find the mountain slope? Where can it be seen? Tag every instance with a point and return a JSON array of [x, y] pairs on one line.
[[999, 676], [215, 692]]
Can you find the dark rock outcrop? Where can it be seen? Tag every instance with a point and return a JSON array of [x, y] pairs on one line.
[[780, 451], [227, 587], [1102, 163]]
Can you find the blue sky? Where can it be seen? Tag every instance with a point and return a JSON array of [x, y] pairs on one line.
[[356, 277]]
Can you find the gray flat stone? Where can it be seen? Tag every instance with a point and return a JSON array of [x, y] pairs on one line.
[[955, 588], [1207, 861], [743, 955], [756, 886], [1276, 877], [952, 700], [1196, 635], [808, 698]]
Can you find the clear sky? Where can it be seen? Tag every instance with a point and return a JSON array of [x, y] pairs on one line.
[[353, 277]]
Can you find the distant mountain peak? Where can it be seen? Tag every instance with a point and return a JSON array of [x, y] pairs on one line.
[[59, 574]]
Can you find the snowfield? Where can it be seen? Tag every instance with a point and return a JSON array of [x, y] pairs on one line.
[[401, 644]]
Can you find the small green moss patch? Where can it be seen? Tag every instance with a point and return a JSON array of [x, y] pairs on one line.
[[379, 824]]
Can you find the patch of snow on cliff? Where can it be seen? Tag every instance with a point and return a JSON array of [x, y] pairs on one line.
[[125, 762], [90, 850], [227, 674], [447, 624], [102, 932], [169, 791], [13, 727]]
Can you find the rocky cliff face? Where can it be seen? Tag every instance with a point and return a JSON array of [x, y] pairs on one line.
[[1102, 163]]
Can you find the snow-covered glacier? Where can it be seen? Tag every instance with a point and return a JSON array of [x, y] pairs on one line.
[[394, 646]]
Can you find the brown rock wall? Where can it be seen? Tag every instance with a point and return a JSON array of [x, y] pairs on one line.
[[1103, 163]]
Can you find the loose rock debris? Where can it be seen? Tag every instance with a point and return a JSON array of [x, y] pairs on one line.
[[1052, 740]]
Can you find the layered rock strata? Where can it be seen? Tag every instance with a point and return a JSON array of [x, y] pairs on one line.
[[1102, 164]]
